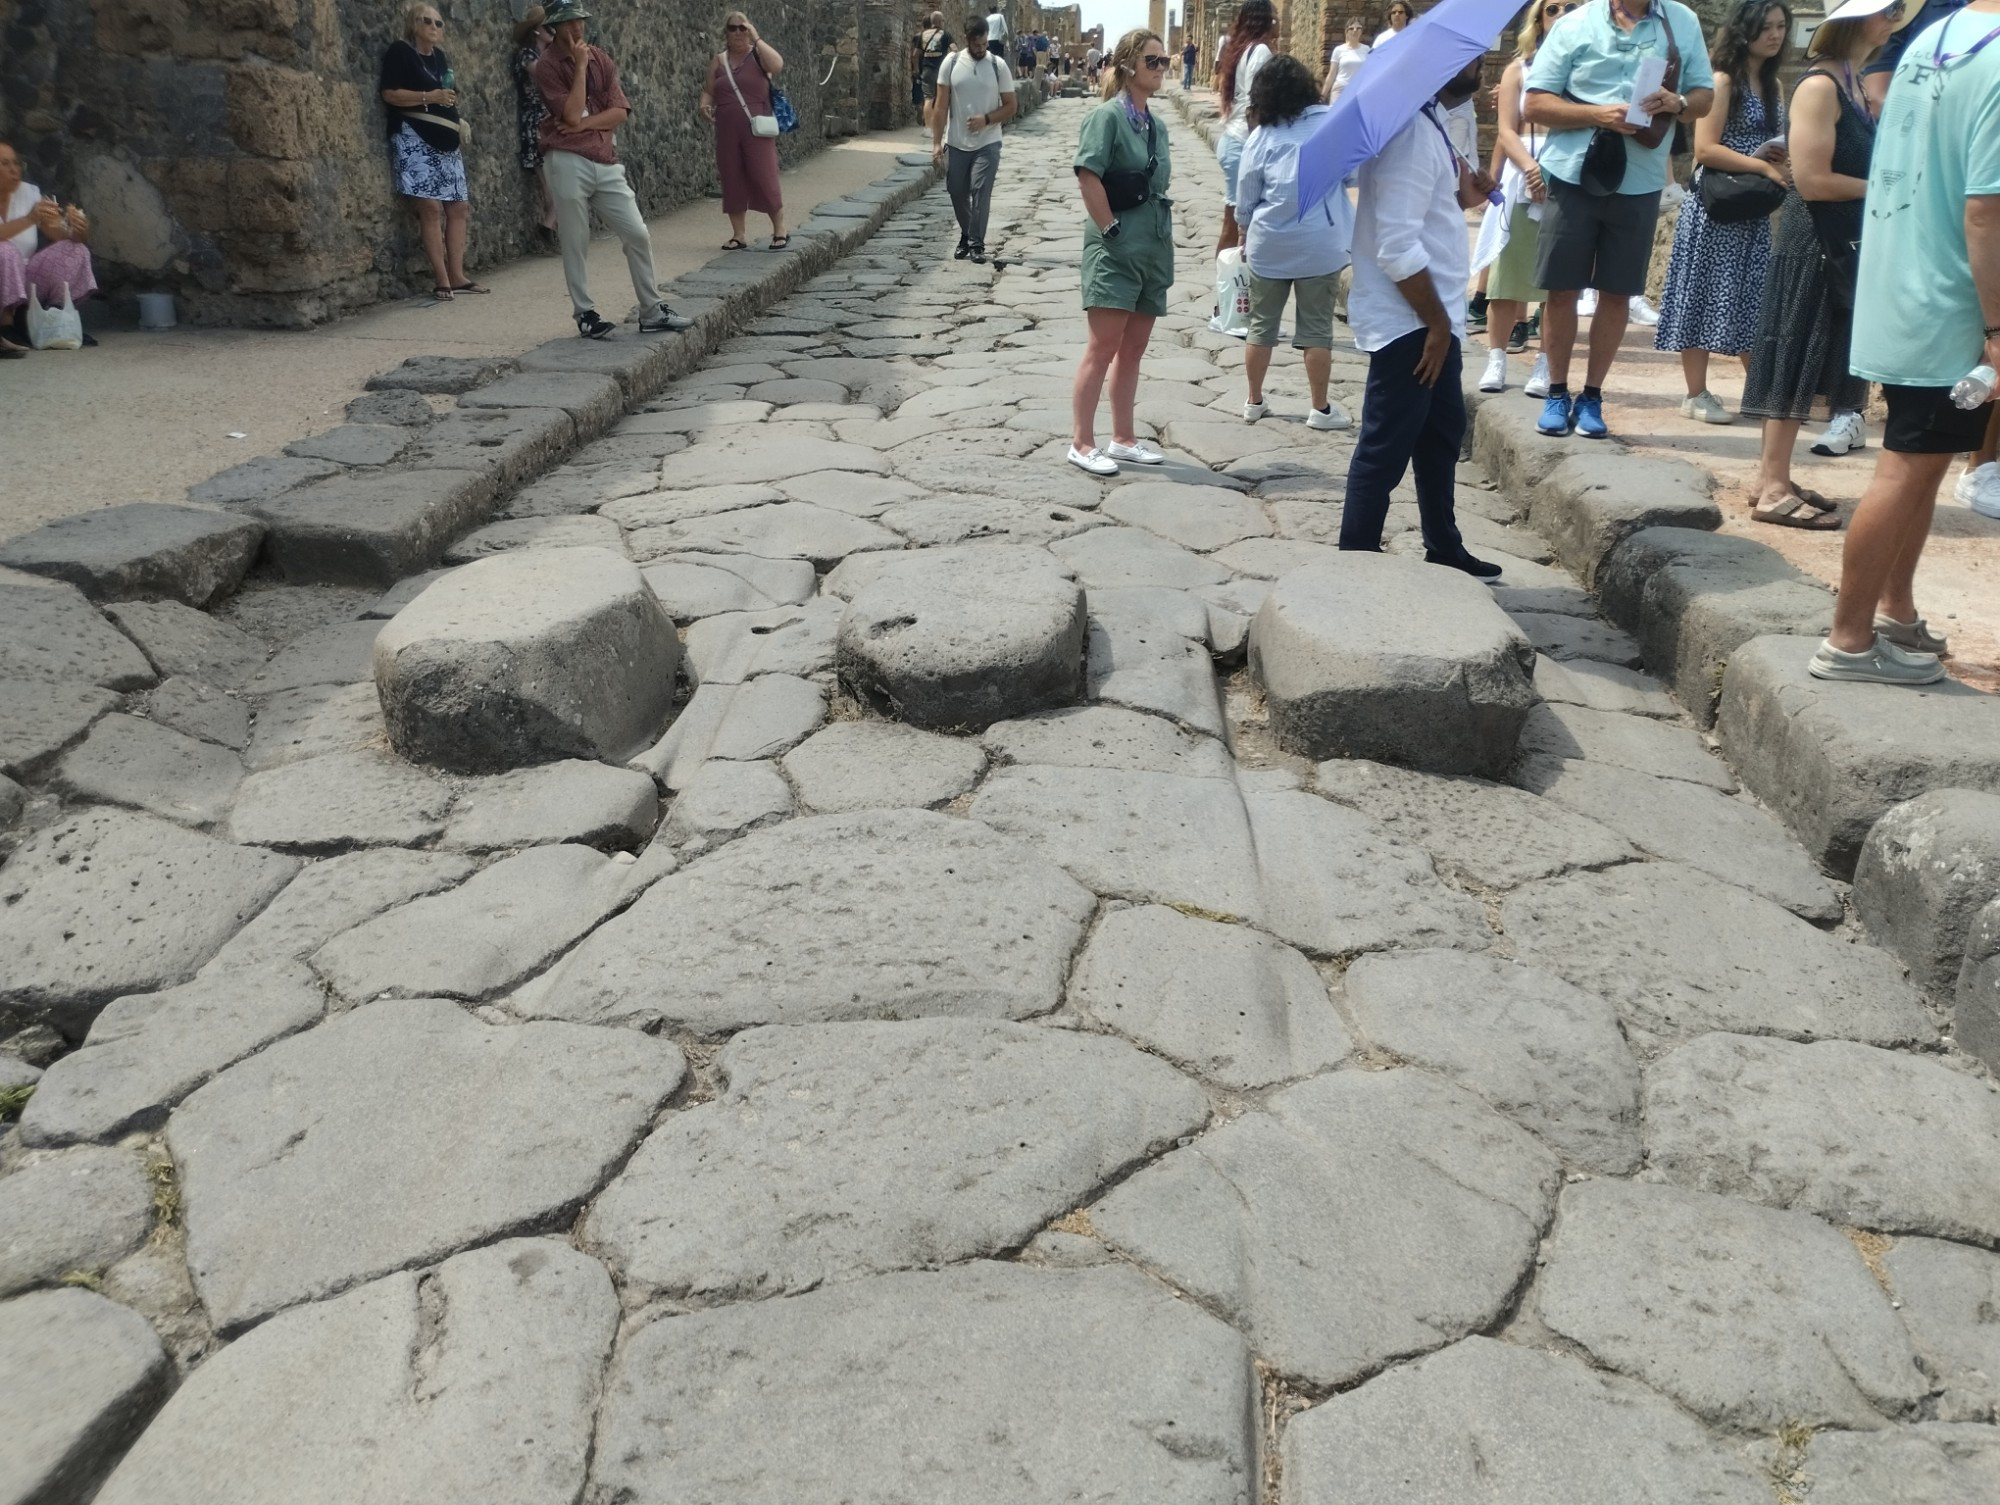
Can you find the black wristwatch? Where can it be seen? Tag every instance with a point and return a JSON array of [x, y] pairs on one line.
[[1110, 231]]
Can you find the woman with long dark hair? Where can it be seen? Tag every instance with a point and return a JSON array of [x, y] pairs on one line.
[[1708, 307], [1247, 50]]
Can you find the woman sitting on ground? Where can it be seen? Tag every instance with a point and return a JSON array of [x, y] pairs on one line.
[[44, 246]]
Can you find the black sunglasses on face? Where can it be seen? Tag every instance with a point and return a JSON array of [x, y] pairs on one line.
[[735, 26], [1153, 61], [1550, 12], [430, 21]]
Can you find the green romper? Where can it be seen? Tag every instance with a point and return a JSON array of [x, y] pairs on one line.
[[1134, 271]]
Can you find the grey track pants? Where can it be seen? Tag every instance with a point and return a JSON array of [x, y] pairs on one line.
[[968, 178]]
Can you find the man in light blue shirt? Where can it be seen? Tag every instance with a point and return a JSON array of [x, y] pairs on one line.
[[1597, 227], [1926, 312]]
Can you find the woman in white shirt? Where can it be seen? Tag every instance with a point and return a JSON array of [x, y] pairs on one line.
[[1247, 50], [44, 246], [1289, 257], [1342, 62], [1399, 17]]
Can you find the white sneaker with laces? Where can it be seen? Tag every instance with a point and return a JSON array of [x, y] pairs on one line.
[[1586, 303], [1986, 500], [1331, 417], [1844, 434], [1972, 480], [1093, 460], [1494, 379], [1706, 406], [1643, 313], [1137, 453], [1252, 411], [1537, 385]]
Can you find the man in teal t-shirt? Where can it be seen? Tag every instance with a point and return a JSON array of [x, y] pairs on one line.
[[1926, 311]]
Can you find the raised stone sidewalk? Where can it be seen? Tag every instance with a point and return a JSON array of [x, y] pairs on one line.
[[873, 1091]]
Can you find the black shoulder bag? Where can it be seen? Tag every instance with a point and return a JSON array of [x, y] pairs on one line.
[[1129, 187]]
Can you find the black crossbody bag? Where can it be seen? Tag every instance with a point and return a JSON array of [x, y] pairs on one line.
[[1129, 187]]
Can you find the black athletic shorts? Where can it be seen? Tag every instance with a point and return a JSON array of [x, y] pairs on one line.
[[1591, 241], [1925, 421]]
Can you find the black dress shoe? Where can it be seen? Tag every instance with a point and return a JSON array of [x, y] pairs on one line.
[[1479, 569], [978, 254], [964, 250]]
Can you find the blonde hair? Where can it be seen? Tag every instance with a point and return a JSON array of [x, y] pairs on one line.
[[735, 15], [414, 12], [1124, 59], [1529, 37]]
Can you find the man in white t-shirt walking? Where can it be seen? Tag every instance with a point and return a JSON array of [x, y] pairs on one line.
[[996, 29], [975, 95]]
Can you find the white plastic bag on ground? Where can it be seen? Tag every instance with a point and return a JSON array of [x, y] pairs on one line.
[[54, 328], [1232, 294]]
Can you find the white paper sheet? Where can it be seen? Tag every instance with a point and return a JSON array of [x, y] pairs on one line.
[[1652, 73]]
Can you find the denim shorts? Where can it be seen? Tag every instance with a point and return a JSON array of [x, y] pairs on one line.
[[1229, 152]]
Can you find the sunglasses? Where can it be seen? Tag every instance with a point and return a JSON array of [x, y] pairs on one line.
[[1550, 12], [1155, 61], [430, 21], [735, 26]]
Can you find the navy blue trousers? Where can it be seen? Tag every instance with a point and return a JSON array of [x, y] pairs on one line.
[[1406, 425]]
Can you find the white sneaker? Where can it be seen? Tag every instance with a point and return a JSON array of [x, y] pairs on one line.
[[1332, 416], [1586, 303], [1252, 411], [1494, 378], [1706, 406], [1093, 460], [1979, 489], [1139, 453], [1843, 434], [1537, 385], [1643, 313]]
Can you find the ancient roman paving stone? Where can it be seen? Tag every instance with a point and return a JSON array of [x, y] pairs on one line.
[[140, 550], [130, 761], [355, 443], [1548, 1055], [340, 653], [1636, 742], [39, 718], [483, 937], [338, 802], [1147, 650], [653, 508], [1976, 1006], [1950, 1300], [1108, 558], [147, 1051], [1925, 870], [766, 457], [862, 765], [1312, 1224], [1750, 1317], [394, 1135], [335, 894], [1562, 636], [111, 902], [933, 521], [1726, 838], [890, 914], [1231, 1005], [1603, 687], [742, 722], [49, 632], [740, 645], [965, 469], [591, 803], [1107, 737], [315, 721], [577, 531], [701, 585], [1865, 1137], [400, 406], [1268, 558], [1196, 517], [954, 640], [98, 1373], [1493, 835], [1375, 656], [77, 1210], [1064, 1384], [725, 797], [1932, 1464], [372, 527], [449, 374], [525, 658], [1504, 1425], [821, 1161], [260, 479], [476, 1380], [177, 639], [1679, 952], [200, 710]]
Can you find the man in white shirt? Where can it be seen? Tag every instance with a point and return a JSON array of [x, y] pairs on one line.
[[975, 94], [996, 29], [1407, 310]]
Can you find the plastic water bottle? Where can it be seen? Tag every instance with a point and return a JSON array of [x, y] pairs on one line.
[[450, 80], [1975, 388]]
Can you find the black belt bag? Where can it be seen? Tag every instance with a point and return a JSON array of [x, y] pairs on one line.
[[1129, 187]]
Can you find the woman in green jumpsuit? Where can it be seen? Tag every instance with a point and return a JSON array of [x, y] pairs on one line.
[[1128, 252]]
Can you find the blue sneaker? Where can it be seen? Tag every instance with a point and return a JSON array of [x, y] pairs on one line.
[[1590, 416], [1558, 418]]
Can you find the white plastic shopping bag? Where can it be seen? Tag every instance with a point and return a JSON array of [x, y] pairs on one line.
[[54, 328], [1232, 294]]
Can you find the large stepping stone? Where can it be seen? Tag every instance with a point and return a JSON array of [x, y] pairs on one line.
[[141, 550], [374, 527], [147, 1051], [957, 640], [1493, 835], [50, 633], [842, 1150], [526, 658], [110, 902], [473, 1381], [866, 765], [333, 895], [1062, 1385], [1729, 839], [1753, 1319], [1376, 656], [1929, 1464], [1678, 953], [128, 760], [891, 914], [1314, 1224], [395, 1135], [1949, 1295], [85, 1376], [1549, 1056], [40, 717], [1636, 742], [1865, 1137], [1830, 760], [178, 640], [590, 803], [1107, 737], [83, 1210], [1229, 1004], [1926, 870], [338, 802], [1504, 1425]]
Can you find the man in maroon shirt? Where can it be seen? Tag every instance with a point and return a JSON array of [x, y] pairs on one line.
[[579, 89]]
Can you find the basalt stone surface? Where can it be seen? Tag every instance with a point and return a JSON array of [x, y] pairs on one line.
[[40, 717], [371, 528], [179, 640], [49, 632], [527, 658], [141, 550], [1950, 1301], [1976, 1008], [1932, 1464], [862, 765], [128, 760], [1926, 869], [339, 802], [77, 1211], [335, 894], [591, 803]]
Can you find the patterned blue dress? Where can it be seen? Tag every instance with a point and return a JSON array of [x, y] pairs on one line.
[[1715, 276]]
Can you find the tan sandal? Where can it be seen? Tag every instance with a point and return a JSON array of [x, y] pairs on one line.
[[1795, 511]]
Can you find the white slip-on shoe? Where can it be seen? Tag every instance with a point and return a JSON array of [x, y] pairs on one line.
[[1916, 636], [1986, 500], [1844, 434], [1331, 417], [1880, 664], [1537, 385], [1136, 453], [1252, 411], [1494, 378], [1641, 312], [1093, 460], [1972, 478], [1707, 407]]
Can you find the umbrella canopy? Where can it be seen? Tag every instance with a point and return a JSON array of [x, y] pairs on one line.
[[1399, 79]]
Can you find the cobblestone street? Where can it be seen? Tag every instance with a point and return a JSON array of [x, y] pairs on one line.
[[820, 1105]]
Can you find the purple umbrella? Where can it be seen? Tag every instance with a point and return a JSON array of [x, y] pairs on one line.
[[1399, 79]]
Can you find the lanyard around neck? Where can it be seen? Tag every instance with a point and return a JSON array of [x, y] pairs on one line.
[[1940, 59]]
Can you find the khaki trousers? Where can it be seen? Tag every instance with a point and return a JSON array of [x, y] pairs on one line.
[[578, 185]]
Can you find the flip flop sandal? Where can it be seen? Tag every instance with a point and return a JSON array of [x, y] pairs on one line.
[[440, 295], [469, 287], [779, 242], [1795, 512], [1814, 500], [732, 244]]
